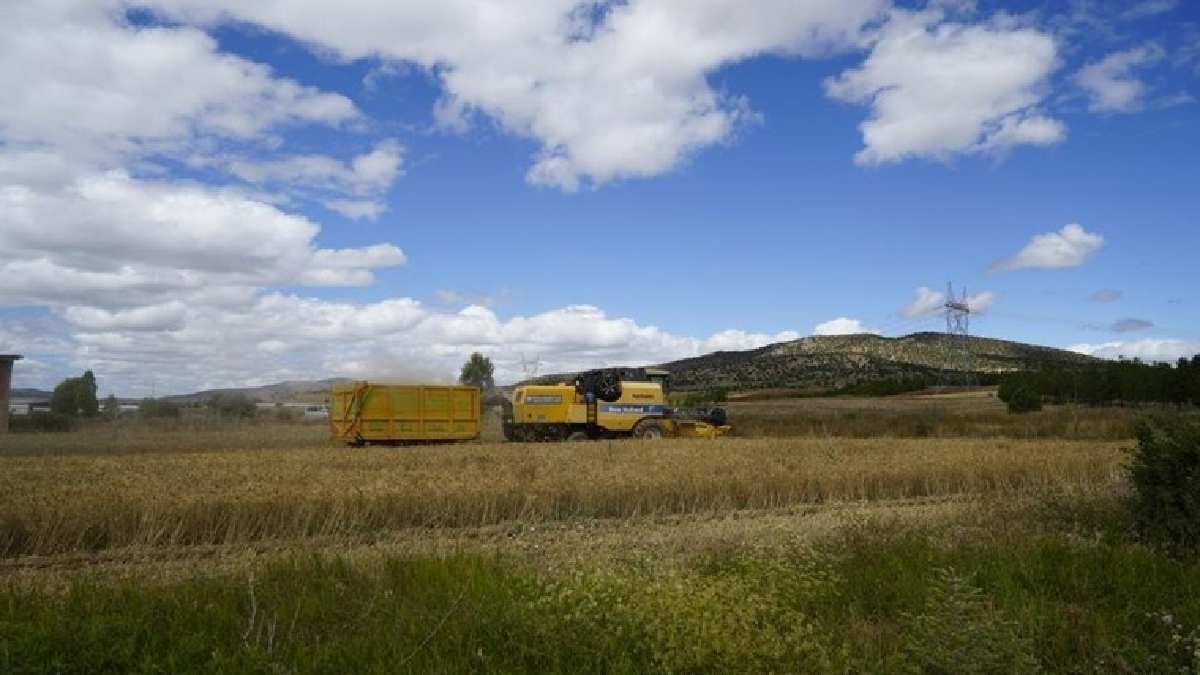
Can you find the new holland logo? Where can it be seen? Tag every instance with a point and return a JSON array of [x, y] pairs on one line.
[[625, 409]]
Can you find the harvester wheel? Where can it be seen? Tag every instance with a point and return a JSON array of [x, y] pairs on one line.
[[648, 430], [717, 416], [575, 436]]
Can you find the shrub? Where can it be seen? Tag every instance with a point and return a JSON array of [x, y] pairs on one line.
[[885, 387], [699, 399], [282, 414], [157, 408], [960, 631], [41, 422], [1164, 470], [233, 405], [1023, 400]]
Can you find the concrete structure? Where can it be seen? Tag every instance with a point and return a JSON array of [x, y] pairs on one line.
[[6, 364]]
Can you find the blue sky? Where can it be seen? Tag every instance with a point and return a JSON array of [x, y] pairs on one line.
[[224, 195]]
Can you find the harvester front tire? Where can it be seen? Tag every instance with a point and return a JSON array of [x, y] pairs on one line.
[[576, 436], [648, 430]]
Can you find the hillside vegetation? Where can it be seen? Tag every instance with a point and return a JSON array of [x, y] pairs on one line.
[[821, 364], [831, 362]]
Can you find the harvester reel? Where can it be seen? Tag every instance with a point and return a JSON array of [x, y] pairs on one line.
[[603, 384], [608, 386]]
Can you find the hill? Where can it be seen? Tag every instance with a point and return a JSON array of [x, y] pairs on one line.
[[296, 391], [33, 394], [811, 364], [823, 363]]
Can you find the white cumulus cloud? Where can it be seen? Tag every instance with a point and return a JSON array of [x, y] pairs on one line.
[[607, 90], [274, 336], [928, 302], [939, 89], [1069, 247], [1110, 83], [113, 240], [79, 78], [843, 326], [1146, 349], [353, 188]]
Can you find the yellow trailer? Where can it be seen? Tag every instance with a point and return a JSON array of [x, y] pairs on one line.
[[365, 412]]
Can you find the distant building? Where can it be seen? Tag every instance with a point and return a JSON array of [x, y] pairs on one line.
[[27, 406], [6, 367], [316, 412]]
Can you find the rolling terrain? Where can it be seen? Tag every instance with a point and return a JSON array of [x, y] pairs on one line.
[[824, 363]]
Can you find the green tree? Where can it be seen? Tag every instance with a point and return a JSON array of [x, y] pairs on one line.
[[85, 395], [1024, 399], [1164, 471], [64, 400], [478, 371], [112, 407], [76, 396]]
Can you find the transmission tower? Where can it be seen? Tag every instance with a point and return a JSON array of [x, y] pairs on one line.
[[530, 367], [958, 365]]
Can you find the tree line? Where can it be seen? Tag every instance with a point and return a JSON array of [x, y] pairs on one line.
[[1110, 382]]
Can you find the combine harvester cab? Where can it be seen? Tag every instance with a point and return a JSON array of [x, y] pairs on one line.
[[609, 403], [364, 413]]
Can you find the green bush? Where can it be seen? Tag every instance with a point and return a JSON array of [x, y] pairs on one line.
[[157, 408], [961, 631], [41, 422], [700, 399], [235, 405], [1023, 400], [885, 387], [1164, 470]]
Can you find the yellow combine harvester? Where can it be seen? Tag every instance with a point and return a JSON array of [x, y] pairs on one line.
[[606, 404]]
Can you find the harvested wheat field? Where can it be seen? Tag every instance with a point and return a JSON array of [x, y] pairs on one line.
[[269, 548], [89, 502]]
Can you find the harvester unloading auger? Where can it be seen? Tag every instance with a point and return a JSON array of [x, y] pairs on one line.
[[607, 403]]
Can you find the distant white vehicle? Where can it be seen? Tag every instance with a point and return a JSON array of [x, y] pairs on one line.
[[313, 412]]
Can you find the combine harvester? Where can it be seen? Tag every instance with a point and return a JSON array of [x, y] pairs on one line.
[[610, 403]]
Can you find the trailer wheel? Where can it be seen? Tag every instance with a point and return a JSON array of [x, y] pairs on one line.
[[511, 432], [575, 436], [648, 430]]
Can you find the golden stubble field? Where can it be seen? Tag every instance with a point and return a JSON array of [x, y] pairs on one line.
[[92, 502]]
